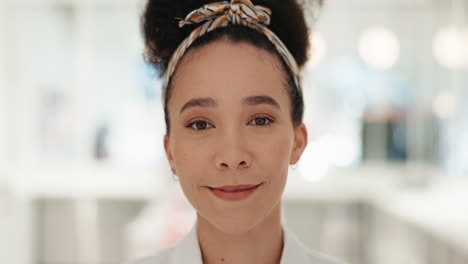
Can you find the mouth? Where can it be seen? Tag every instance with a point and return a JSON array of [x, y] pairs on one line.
[[234, 192]]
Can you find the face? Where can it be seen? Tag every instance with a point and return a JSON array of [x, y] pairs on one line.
[[231, 125]]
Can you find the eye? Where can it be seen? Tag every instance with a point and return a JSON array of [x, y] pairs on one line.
[[198, 125], [261, 121]]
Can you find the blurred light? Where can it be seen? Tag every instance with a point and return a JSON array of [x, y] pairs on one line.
[[325, 152], [445, 105], [135, 136], [318, 49], [450, 47], [379, 47]]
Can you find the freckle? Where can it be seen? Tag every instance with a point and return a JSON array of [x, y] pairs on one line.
[[222, 259]]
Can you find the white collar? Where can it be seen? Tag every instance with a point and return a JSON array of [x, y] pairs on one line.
[[188, 249]]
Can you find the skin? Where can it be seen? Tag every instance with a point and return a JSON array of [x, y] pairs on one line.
[[229, 142]]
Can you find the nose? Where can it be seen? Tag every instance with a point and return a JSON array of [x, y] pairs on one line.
[[232, 152]]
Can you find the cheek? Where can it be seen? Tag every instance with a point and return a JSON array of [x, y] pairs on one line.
[[189, 169], [274, 150], [190, 160], [273, 156]]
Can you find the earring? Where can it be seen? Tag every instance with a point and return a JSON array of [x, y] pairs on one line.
[[174, 178], [294, 166]]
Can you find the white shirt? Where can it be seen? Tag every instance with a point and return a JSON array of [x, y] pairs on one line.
[[188, 251]]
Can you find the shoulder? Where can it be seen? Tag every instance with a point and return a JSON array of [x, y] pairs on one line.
[[296, 252], [161, 257]]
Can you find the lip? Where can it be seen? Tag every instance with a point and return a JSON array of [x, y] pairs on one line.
[[234, 192]]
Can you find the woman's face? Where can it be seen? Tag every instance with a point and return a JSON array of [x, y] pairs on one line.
[[231, 125]]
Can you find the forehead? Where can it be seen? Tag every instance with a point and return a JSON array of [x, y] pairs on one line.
[[228, 72]]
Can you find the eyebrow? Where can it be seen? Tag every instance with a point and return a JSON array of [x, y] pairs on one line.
[[247, 101]]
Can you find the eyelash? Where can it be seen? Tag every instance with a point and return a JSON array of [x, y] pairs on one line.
[[269, 122]]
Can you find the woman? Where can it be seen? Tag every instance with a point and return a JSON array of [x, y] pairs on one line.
[[233, 109]]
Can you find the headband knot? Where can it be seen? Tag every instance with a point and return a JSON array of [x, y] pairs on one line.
[[235, 12]]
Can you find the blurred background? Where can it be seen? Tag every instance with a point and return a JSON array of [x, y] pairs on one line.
[[384, 179]]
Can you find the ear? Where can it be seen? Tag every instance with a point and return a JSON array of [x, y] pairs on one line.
[[169, 156], [300, 143]]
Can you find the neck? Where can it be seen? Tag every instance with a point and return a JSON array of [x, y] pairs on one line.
[[254, 246]]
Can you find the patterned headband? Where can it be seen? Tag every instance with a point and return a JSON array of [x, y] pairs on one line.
[[222, 14]]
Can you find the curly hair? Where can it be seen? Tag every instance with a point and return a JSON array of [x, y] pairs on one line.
[[162, 36]]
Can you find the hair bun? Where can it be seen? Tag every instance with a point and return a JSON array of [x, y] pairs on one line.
[[162, 34]]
